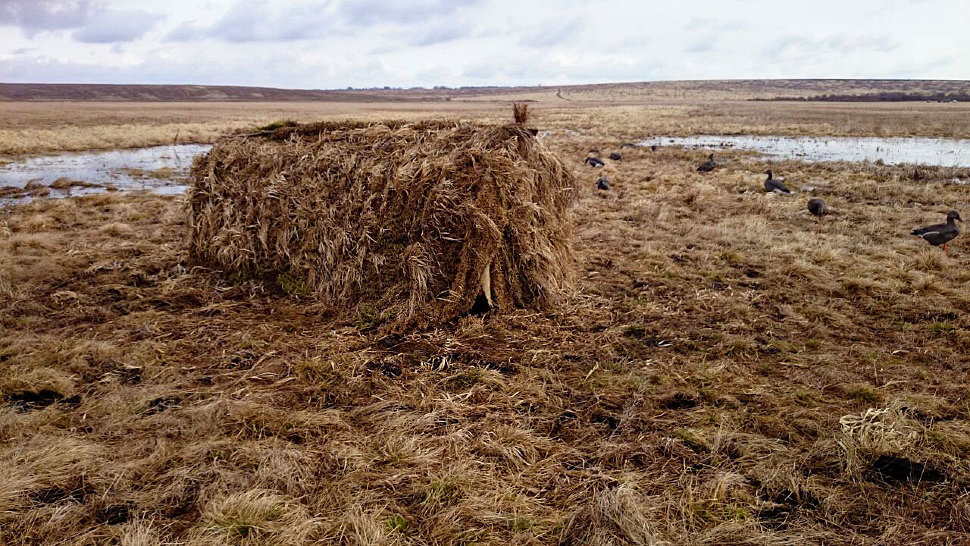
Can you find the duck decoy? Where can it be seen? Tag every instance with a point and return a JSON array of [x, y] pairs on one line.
[[817, 207], [941, 234], [594, 162], [773, 185], [615, 156], [603, 184], [708, 166]]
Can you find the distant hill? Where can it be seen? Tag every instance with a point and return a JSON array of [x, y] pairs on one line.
[[183, 93], [818, 89]]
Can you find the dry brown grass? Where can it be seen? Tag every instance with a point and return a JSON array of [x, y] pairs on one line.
[[30, 128], [729, 371]]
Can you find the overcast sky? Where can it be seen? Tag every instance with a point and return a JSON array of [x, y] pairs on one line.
[[361, 43]]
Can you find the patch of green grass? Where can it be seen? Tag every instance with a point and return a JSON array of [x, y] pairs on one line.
[[939, 328], [240, 276], [317, 371], [692, 440], [863, 393], [519, 524], [441, 492], [368, 317], [293, 283], [396, 523], [713, 512], [465, 380]]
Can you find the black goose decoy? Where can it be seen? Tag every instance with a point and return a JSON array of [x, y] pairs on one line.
[[772, 185], [817, 207], [708, 166], [615, 156], [941, 234], [594, 162], [653, 148], [603, 184]]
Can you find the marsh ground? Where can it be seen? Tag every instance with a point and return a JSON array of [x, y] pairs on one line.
[[728, 371]]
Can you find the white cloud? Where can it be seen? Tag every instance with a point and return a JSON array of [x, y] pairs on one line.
[[361, 43]]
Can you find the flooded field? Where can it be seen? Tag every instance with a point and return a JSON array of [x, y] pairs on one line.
[[160, 169], [943, 152]]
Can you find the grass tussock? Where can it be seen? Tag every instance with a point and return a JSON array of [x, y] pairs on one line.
[[418, 220]]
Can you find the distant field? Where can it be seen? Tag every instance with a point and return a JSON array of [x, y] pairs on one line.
[[43, 127], [610, 92]]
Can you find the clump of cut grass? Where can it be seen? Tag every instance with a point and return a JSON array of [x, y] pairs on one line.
[[613, 516], [520, 112], [254, 517], [419, 220]]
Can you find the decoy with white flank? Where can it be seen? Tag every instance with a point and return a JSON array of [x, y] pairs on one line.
[[941, 234], [774, 185], [594, 162], [603, 184], [708, 166]]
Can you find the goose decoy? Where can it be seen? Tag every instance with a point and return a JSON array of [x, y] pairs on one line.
[[603, 184], [594, 162], [653, 148], [817, 207], [615, 156], [708, 166], [628, 145], [772, 185], [941, 234]]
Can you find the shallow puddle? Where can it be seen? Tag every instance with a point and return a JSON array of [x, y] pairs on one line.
[[944, 152], [160, 169]]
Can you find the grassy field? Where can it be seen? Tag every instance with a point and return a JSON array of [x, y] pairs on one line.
[[728, 370], [610, 112]]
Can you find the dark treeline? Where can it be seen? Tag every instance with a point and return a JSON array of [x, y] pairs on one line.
[[885, 96]]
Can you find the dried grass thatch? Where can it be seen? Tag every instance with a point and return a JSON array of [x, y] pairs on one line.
[[417, 220]]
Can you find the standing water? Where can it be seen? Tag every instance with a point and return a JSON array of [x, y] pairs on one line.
[[944, 152], [160, 169]]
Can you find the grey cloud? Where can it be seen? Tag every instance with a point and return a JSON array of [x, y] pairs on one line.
[[36, 15], [116, 26], [702, 44], [546, 37], [91, 21], [709, 24], [441, 34], [370, 12], [295, 22], [796, 47], [250, 21]]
